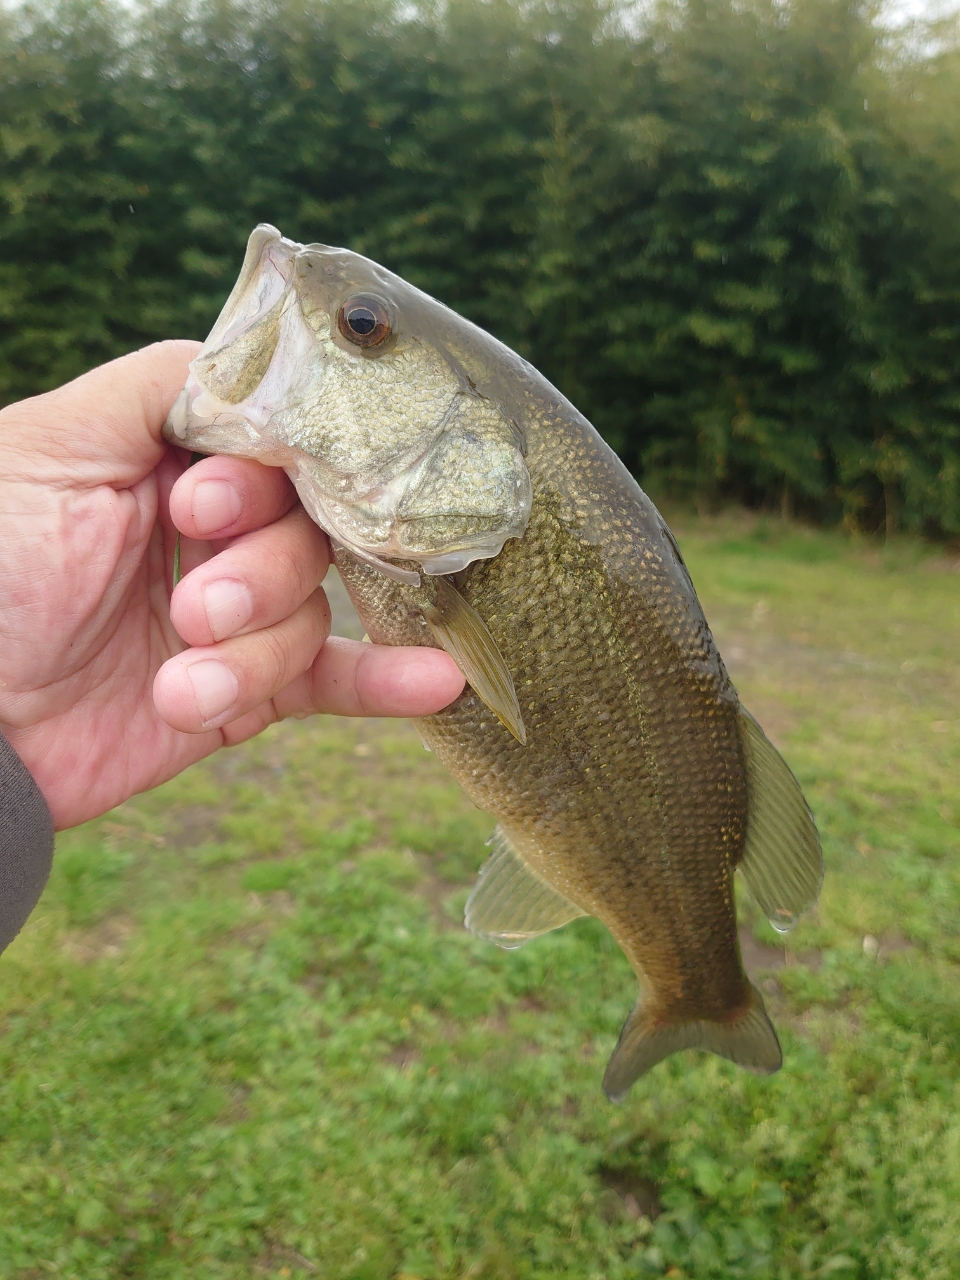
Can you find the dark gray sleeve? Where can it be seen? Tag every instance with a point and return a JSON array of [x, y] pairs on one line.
[[26, 843]]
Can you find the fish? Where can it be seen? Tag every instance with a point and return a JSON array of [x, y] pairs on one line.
[[472, 508]]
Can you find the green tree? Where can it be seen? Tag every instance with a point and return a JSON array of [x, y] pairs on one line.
[[730, 232], [67, 197]]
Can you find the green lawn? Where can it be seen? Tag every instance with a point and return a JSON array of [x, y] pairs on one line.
[[246, 1035]]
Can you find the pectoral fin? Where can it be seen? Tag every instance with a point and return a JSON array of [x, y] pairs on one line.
[[466, 637], [510, 903], [782, 864]]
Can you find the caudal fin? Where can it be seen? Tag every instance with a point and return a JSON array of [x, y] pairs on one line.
[[748, 1039]]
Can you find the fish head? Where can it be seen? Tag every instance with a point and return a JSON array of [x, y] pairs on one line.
[[326, 364]]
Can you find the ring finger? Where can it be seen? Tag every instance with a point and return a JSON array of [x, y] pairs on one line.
[[210, 686]]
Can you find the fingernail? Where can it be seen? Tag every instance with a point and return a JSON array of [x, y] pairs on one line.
[[216, 505], [215, 688], [228, 605]]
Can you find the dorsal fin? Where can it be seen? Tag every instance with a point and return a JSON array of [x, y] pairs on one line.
[[510, 904], [782, 864]]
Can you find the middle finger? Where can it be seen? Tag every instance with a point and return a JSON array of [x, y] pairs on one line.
[[260, 579]]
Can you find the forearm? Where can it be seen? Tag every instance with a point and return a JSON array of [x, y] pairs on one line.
[[26, 843]]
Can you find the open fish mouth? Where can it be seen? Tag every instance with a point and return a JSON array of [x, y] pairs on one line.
[[392, 449]]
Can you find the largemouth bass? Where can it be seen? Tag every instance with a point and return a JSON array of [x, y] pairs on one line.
[[471, 507]]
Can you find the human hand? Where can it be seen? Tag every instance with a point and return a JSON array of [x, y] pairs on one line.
[[99, 695]]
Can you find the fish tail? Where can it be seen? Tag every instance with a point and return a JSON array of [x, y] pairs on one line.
[[746, 1038]]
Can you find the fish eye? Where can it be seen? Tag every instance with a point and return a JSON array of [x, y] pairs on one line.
[[364, 322]]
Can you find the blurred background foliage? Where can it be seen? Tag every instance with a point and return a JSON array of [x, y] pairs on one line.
[[728, 231]]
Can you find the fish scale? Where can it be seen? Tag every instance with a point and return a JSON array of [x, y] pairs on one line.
[[473, 508]]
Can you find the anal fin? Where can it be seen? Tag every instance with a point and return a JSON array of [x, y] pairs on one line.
[[782, 864], [466, 637], [747, 1038], [510, 904]]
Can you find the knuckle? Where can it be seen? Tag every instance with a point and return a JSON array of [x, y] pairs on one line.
[[306, 553], [362, 691], [276, 656], [320, 603], [287, 649], [290, 569]]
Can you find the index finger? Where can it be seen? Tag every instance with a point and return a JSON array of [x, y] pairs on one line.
[[223, 497]]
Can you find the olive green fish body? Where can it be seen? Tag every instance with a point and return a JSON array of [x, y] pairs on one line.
[[630, 795], [473, 508]]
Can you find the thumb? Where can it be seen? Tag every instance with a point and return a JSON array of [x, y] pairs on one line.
[[105, 425]]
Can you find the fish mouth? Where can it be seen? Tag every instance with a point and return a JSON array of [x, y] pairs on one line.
[[229, 390], [265, 359]]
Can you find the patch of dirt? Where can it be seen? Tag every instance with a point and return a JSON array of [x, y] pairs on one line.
[[497, 1023], [267, 909], [758, 957], [436, 892], [236, 1111], [784, 661], [826, 1027], [403, 1056], [117, 832], [279, 1260], [279, 901], [637, 1196], [891, 943], [104, 942], [811, 959], [195, 824]]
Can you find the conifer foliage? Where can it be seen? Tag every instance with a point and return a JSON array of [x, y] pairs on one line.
[[729, 230]]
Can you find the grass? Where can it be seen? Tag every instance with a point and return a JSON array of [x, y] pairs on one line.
[[245, 1035]]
